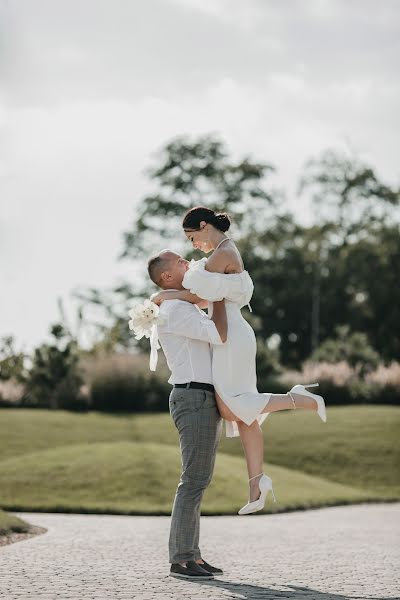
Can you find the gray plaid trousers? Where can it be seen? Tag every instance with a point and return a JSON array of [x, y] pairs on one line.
[[199, 424]]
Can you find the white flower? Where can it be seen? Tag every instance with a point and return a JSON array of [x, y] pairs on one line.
[[143, 317]]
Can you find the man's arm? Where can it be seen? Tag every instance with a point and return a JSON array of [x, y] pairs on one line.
[[220, 319]]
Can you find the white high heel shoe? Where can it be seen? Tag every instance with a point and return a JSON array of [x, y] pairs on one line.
[[301, 389], [265, 485]]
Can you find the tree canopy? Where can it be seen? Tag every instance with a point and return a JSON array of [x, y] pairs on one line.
[[310, 280]]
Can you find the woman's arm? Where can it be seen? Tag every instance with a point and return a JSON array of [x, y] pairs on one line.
[[220, 319], [185, 295]]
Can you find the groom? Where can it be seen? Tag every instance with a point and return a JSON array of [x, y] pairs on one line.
[[185, 335]]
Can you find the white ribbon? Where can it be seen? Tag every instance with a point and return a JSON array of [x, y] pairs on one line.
[[154, 346]]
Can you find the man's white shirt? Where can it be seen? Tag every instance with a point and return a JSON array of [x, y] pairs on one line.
[[185, 335]]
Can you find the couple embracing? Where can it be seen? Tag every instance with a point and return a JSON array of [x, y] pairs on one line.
[[212, 359]]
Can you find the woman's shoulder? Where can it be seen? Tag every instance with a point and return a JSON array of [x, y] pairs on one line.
[[224, 260]]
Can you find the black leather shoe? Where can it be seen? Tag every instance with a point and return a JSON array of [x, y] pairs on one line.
[[210, 568], [191, 571]]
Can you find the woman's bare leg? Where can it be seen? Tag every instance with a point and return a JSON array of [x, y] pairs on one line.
[[224, 411], [276, 402], [252, 437], [252, 440], [284, 402]]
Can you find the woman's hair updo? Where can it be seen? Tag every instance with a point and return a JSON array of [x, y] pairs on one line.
[[196, 215]]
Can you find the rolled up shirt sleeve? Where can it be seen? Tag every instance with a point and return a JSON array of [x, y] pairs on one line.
[[186, 319]]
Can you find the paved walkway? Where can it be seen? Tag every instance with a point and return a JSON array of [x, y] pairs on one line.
[[329, 554]]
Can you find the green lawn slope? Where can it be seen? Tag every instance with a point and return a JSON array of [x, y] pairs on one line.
[[141, 478], [11, 524], [130, 464]]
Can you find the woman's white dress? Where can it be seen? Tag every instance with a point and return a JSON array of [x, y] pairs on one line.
[[233, 363]]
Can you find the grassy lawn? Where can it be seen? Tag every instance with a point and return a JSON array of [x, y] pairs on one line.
[[59, 461], [10, 524]]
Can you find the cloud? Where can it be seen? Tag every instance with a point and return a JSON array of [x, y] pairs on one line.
[[91, 89], [64, 51]]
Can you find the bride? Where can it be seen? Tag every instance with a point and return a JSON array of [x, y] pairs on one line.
[[244, 408]]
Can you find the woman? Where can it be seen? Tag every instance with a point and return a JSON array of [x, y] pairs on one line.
[[222, 276]]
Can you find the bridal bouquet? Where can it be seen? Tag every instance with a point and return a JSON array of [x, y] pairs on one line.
[[143, 317]]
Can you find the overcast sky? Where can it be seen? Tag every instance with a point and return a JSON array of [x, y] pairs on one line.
[[91, 88]]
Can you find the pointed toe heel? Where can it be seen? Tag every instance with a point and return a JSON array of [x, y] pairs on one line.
[[265, 485], [301, 390]]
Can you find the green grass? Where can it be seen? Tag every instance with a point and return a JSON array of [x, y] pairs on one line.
[[358, 446], [59, 461], [141, 478], [10, 524]]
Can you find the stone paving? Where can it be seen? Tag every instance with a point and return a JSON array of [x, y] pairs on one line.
[[328, 554]]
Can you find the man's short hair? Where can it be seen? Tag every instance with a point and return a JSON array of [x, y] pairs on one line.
[[156, 266]]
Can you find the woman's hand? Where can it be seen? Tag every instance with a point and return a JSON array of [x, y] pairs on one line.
[[159, 297]]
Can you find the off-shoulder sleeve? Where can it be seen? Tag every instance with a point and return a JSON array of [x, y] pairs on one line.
[[206, 285]]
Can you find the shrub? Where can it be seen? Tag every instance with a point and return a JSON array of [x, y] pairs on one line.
[[54, 380], [70, 395], [268, 363], [354, 348], [342, 384], [11, 393], [386, 375], [123, 383], [119, 392]]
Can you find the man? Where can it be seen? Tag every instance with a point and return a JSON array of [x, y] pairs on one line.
[[185, 335]]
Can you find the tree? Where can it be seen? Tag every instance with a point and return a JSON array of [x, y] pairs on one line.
[[188, 173], [12, 363], [308, 279], [358, 218], [192, 173], [54, 380], [108, 325], [348, 194]]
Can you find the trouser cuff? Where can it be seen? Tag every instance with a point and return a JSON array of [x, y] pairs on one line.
[[184, 558]]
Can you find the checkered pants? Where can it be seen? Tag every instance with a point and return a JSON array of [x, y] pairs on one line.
[[199, 424]]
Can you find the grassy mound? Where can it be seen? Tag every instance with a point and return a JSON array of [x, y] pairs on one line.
[[141, 478], [358, 446], [10, 524]]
